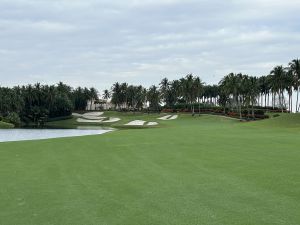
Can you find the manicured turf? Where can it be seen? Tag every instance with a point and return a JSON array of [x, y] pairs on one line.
[[193, 170]]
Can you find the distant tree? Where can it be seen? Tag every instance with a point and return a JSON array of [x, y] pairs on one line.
[[153, 97]]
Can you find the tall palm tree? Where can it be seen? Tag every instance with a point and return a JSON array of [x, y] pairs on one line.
[[106, 96], [289, 85], [198, 85], [279, 83], [253, 91], [116, 94], [164, 88], [93, 96], [295, 68], [153, 97], [263, 86]]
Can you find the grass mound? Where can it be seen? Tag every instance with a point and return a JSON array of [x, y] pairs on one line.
[[281, 120]]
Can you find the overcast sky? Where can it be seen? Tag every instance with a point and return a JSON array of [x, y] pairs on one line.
[[97, 42]]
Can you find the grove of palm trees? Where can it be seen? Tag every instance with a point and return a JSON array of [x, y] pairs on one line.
[[234, 92]]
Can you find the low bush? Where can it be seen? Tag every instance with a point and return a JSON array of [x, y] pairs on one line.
[[13, 118]]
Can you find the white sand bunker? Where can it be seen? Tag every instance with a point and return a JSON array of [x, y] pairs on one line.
[[100, 120], [93, 114], [136, 123], [77, 115], [152, 123], [80, 120], [89, 115], [93, 117], [111, 120], [168, 117]]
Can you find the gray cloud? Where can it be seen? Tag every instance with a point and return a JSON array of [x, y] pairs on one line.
[[96, 43]]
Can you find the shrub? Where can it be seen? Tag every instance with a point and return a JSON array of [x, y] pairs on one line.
[[13, 118]]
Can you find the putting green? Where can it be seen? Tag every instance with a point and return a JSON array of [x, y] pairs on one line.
[[193, 170]]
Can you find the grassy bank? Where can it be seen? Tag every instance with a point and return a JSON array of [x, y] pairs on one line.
[[4, 125], [193, 170]]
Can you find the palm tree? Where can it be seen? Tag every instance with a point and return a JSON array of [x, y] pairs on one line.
[[153, 97], [93, 96], [116, 94], [279, 83], [253, 91], [198, 85], [289, 85], [232, 85], [295, 68], [263, 86], [164, 87], [106, 96], [189, 89]]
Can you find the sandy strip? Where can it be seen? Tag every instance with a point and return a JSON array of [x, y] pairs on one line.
[[111, 120], [93, 114], [165, 117], [173, 117], [168, 117], [152, 123], [136, 123], [93, 117], [77, 115], [80, 120]]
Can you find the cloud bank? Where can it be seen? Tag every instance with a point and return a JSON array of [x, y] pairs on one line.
[[98, 42]]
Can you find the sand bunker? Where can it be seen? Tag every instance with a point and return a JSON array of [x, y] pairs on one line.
[[93, 114], [168, 117], [93, 117], [136, 123], [111, 120], [173, 117], [100, 120], [77, 115], [164, 117], [80, 120], [152, 123]]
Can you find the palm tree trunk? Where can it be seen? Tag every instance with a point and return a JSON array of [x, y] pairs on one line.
[[199, 107], [240, 107], [290, 102], [297, 100], [252, 110]]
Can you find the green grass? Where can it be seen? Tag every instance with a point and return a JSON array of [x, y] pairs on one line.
[[284, 120], [193, 170], [4, 125]]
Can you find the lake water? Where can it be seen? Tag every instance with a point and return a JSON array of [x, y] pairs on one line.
[[7, 135]]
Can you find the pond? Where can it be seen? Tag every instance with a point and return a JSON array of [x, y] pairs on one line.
[[7, 135]]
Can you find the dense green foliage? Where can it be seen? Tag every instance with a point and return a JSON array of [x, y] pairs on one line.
[[39, 102], [235, 92], [193, 170]]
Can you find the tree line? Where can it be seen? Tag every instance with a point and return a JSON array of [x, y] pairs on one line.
[[38, 103], [236, 92]]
